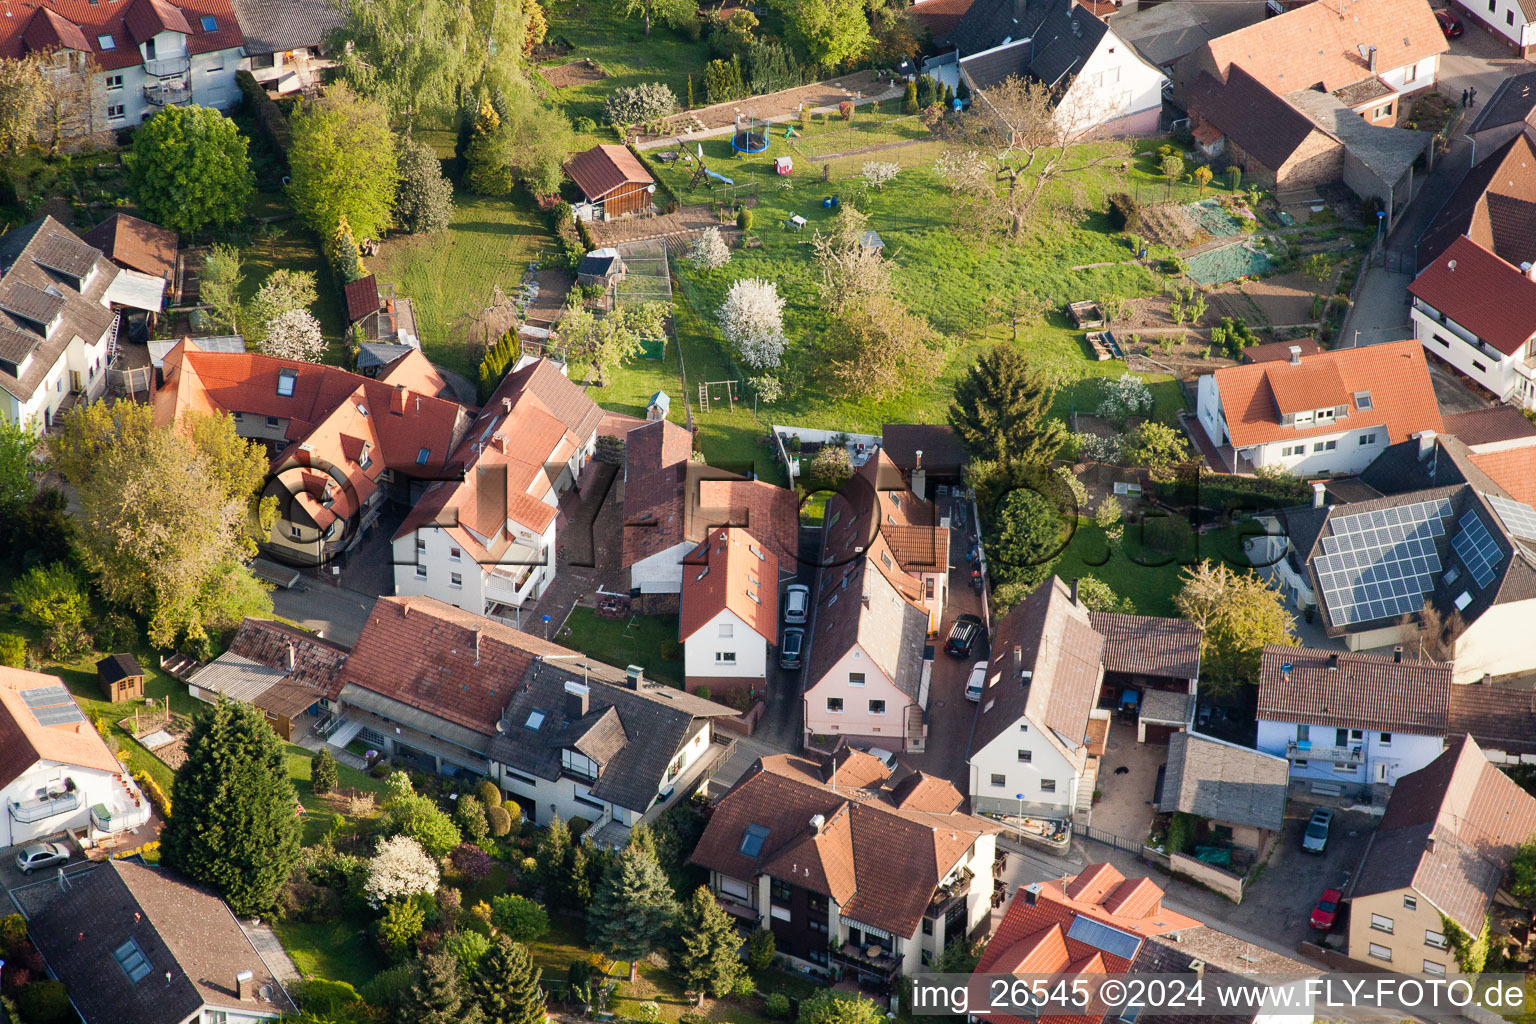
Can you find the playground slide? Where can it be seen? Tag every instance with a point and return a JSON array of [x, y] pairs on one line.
[[719, 177]]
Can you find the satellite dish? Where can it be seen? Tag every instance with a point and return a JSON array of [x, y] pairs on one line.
[[501, 726]]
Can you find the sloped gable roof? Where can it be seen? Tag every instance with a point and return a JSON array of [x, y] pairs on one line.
[[1355, 691], [1482, 292], [24, 740]]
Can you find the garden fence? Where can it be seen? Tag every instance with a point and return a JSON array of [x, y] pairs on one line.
[[1098, 835]]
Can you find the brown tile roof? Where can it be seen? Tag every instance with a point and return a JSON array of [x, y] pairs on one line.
[[1225, 782], [1280, 351], [1402, 397], [655, 477], [1315, 44], [1513, 469], [939, 17], [731, 571], [1364, 691], [362, 297], [1480, 291], [601, 169], [920, 791], [860, 606], [1148, 645], [136, 244], [881, 862], [1492, 205], [450, 663], [35, 25], [1498, 716], [307, 659], [185, 933], [944, 453], [1050, 637], [771, 514], [1033, 937], [1449, 832], [24, 740], [1490, 426], [1251, 115]]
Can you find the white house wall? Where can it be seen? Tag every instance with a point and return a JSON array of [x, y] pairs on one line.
[[1001, 757], [1113, 84], [1492, 645], [1419, 75], [479, 588], [1381, 762], [93, 785], [700, 649], [855, 718], [1489, 368], [661, 573], [1208, 409], [1352, 451]]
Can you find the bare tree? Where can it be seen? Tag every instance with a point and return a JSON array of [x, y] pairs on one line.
[[484, 327], [1027, 134], [1435, 633], [74, 105]]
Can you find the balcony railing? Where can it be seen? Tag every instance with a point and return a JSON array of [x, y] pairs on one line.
[[1304, 750], [945, 895], [861, 957], [47, 805], [168, 67], [168, 94]]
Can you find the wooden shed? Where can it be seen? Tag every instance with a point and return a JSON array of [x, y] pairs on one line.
[[612, 178], [121, 677]]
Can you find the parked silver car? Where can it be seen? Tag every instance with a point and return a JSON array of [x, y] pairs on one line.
[[1315, 838], [41, 855], [797, 603]]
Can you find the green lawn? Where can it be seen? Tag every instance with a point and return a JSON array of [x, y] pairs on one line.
[[450, 275], [598, 30], [1149, 578], [340, 950], [638, 640]]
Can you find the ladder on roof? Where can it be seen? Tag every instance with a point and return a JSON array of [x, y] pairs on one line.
[[112, 339]]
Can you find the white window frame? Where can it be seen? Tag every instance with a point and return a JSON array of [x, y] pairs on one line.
[[1379, 952], [421, 572], [456, 580], [725, 658], [881, 702], [1382, 923]]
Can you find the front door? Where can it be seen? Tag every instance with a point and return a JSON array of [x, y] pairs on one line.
[[1381, 771]]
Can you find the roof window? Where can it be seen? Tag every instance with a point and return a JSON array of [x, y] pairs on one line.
[[132, 960], [422, 455], [287, 380], [210, 23], [1464, 599], [535, 719], [1363, 400], [752, 840], [106, 42]]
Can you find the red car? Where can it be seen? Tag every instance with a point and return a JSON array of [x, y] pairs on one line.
[[1449, 23], [1327, 910]]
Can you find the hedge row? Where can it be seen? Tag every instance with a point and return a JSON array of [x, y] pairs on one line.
[[156, 795]]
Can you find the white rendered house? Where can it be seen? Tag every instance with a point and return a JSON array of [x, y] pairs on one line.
[[729, 617]]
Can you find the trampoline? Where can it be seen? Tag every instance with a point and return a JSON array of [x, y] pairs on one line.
[[751, 135]]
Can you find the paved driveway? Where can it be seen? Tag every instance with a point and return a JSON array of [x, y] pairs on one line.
[[336, 611], [1477, 60]]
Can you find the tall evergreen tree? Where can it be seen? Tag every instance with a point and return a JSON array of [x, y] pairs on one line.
[[436, 994], [1002, 409], [553, 852], [577, 884], [506, 986], [706, 958], [632, 908], [234, 828]]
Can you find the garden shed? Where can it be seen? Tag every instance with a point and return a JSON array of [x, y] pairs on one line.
[[612, 179], [121, 677]]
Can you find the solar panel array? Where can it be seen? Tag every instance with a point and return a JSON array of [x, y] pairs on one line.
[[1379, 565], [52, 705], [1519, 518], [1101, 936], [1475, 546]]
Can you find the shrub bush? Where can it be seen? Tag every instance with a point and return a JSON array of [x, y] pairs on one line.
[[521, 919], [322, 773], [777, 1005], [636, 104], [760, 950], [584, 125], [471, 862], [489, 794], [744, 219], [13, 650], [1124, 213], [499, 820], [324, 998], [43, 1002], [745, 988], [471, 817], [156, 795], [400, 926]]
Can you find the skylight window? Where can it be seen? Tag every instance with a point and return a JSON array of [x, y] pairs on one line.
[[106, 42], [1363, 400], [752, 840], [422, 455], [1463, 600], [287, 380], [535, 719], [132, 960], [210, 23]]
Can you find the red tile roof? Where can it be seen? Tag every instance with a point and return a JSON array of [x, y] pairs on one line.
[[1357, 691], [1395, 374], [1491, 426], [29, 26], [1482, 293], [939, 17], [1033, 937], [24, 741], [362, 297], [731, 571], [601, 169], [1280, 351], [1319, 43], [1513, 469]]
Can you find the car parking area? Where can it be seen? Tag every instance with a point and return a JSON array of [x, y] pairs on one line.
[[12, 880]]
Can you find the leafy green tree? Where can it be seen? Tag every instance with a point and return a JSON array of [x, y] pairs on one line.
[[1523, 871], [539, 137], [1240, 613], [420, 818], [632, 908], [1154, 445], [489, 158], [424, 198], [343, 163], [344, 254], [322, 773], [189, 169], [469, 813], [604, 342], [234, 828], [676, 13], [22, 91], [1099, 596], [13, 650], [705, 958], [1172, 168], [760, 949], [436, 994], [19, 446], [505, 985], [400, 926], [1002, 409], [219, 285], [1028, 538], [826, 32], [553, 851], [909, 98], [52, 595], [283, 291], [519, 918], [828, 1007]]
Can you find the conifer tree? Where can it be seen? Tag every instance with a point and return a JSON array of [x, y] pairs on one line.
[[234, 828], [632, 908], [505, 985], [553, 852], [706, 957], [436, 994]]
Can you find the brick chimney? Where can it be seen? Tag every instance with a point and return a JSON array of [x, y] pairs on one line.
[[577, 701], [397, 400], [245, 986]]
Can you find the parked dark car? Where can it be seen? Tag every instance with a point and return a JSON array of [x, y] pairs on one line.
[[1449, 23], [962, 636], [790, 648], [1315, 838]]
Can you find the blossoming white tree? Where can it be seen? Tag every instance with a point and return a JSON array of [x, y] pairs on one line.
[[1124, 396], [710, 251], [294, 334], [400, 868], [752, 318], [878, 172]]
